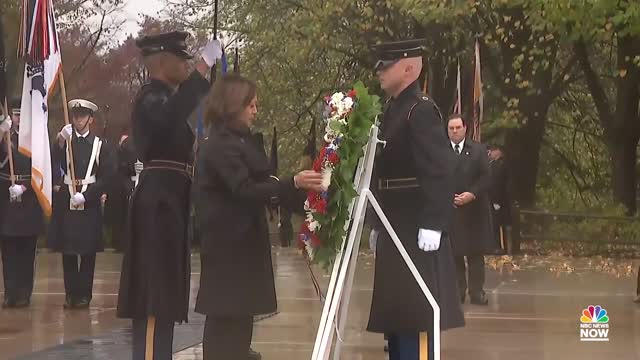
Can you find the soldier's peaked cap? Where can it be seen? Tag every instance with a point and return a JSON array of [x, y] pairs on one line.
[[172, 42], [388, 53], [82, 105]]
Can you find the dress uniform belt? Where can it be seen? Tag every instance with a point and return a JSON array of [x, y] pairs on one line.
[[398, 183], [80, 182], [185, 169], [17, 178]]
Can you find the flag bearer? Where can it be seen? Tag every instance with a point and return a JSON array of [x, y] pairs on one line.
[[76, 224], [22, 220]]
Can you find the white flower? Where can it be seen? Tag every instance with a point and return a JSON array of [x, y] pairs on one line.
[[314, 225], [343, 121], [348, 103], [309, 249], [326, 177], [336, 98]]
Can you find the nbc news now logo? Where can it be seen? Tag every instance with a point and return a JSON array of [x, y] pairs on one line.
[[594, 324]]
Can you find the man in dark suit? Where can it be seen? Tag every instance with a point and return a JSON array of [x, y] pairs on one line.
[[499, 197], [471, 230]]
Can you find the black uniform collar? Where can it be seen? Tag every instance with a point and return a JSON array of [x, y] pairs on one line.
[[409, 91]]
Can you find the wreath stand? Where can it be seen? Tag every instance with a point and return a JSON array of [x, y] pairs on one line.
[[336, 305]]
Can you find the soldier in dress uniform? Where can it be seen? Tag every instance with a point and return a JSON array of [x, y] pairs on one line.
[[472, 228], [76, 221], [22, 221], [127, 178], [413, 174], [155, 282]]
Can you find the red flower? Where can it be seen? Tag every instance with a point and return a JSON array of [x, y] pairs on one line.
[[315, 240], [334, 158], [317, 165], [321, 206], [352, 94]]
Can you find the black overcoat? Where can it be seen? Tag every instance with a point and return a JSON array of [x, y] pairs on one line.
[[471, 230], [156, 268], [234, 185], [80, 231], [415, 161]]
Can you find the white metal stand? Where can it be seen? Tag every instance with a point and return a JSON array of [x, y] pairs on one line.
[[336, 306]]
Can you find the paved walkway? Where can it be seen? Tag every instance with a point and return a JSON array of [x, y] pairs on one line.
[[535, 305]]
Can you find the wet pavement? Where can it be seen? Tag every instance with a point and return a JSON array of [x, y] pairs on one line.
[[534, 311]]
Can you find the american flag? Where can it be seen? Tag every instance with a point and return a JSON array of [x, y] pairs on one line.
[[39, 46]]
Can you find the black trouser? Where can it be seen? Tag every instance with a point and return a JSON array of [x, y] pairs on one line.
[[227, 338], [411, 346], [78, 280], [161, 348], [18, 256], [476, 275]]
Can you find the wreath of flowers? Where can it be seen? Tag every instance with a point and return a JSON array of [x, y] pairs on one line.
[[349, 117]]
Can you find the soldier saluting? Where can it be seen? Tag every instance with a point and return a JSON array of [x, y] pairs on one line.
[[76, 221], [22, 221], [414, 177], [155, 282]]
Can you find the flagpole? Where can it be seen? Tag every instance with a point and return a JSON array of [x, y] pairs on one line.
[[63, 92], [9, 147]]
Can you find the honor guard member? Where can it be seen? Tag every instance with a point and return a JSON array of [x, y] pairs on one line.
[[76, 222], [23, 218], [155, 282], [127, 178], [413, 174]]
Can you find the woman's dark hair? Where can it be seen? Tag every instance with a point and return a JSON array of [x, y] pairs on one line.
[[227, 99]]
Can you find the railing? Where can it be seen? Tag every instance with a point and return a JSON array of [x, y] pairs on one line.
[[529, 225]]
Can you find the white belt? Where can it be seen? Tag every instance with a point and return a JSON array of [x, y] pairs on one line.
[[87, 181]]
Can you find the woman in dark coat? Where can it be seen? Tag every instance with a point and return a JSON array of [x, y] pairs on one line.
[[234, 183]]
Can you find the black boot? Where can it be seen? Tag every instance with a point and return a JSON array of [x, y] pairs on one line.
[[254, 355], [69, 302], [8, 303]]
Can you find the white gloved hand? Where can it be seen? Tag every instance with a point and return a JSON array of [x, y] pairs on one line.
[[373, 239], [66, 131], [429, 240], [138, 166], [15, 191], [5, 124], [211, 52], [78, 199], [496, 207]]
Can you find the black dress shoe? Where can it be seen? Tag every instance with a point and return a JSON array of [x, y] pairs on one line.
[[637, 299], [253, 355], [8, 303], [480, 300], [22, 303], [69, 303], [83, 303]]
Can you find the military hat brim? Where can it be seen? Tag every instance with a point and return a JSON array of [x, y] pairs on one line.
[[389, 53], [82, 105], [172, 42]]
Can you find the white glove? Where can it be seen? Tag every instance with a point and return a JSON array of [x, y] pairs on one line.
[[66, 132], [429, 240], [496, 207], [5, 124], [78, 200], [373, 239], [138, 166], [211, 52], [15, 191]]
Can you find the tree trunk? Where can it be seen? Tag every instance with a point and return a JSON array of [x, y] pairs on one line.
[[523, 153], [623, 171]]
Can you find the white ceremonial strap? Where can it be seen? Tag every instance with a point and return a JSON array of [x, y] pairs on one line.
[[86, 181], [95, 153]]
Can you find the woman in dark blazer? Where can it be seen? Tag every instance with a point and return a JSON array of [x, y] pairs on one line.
[[234, 183]]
